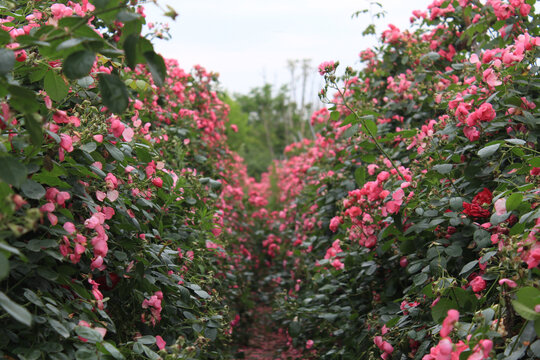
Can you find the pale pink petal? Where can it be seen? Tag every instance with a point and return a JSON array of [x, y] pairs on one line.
[[69, 227], [52, 218], [100, 195], [112, 195], [510, 283], [500, 206], [128, 134]]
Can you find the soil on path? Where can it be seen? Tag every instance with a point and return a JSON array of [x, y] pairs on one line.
[[265, 341]]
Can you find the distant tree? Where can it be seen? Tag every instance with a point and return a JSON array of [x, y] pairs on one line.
[[266, 121]]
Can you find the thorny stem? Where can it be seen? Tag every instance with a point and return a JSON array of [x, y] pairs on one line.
[[518, 336], [371, 135], [163, 248]]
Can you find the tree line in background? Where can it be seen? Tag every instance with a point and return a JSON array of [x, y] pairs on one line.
[[268, 118]]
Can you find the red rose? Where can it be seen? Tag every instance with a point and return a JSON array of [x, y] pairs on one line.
[[157, 182], [475, 210], [483, 197]]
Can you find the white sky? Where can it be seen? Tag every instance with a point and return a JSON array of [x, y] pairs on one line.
[[248, 42]]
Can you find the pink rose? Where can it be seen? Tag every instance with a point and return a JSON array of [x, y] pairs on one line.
[[160, 342], [478, 284]]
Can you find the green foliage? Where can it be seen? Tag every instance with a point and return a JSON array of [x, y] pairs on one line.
[[267, 122]]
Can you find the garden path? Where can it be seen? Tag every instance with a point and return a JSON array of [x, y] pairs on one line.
[[266, 341]]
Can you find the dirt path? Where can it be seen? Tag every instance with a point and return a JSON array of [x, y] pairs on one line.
[[266, 342]]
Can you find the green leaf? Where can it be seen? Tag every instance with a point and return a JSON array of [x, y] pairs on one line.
[[85, 82], [334, 115], [202, 294], [420, 279], [100, 4], [440, 310], [59, 328], [210, 333], [157, 67], [456, 203], [85, 354], [38, 74], [10, 249], [113, 150], [40, 244], [147, 339], [525, 312], [513, 201], [7, 61], [488, 150], [55, 86], [443, 168], [4, 37], [360, 176], [468, 267], [130, 28], [530, 297], [433, 56], [93, 336], [23, 99], [294, 328], [4, 266], [51, 180], [15, 310], [370, 127], [114, 93], [407, 133], [535, 348], [69, 44], [535, 162], [33, 126], [143, 154], [351, 131], [515, 141], [32, 189], [518, 228], [79, 64], [487, 256], [113, 351], [127, 16], [151, 354], [454, 250], [143, 46], [328, 316], [130, 49], [350, 119], [13, 171]]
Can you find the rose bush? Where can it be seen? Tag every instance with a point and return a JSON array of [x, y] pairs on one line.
[[109, 193], [418, 199], [407, 228]]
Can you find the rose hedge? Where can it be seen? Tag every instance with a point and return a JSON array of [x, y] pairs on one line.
[[109, 193], [408, 228]]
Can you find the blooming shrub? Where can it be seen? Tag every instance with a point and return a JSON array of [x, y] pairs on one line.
[[420, 189], [407, 228], [109, 193]]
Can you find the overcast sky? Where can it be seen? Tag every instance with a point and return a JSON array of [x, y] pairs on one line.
[[248, 42]]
